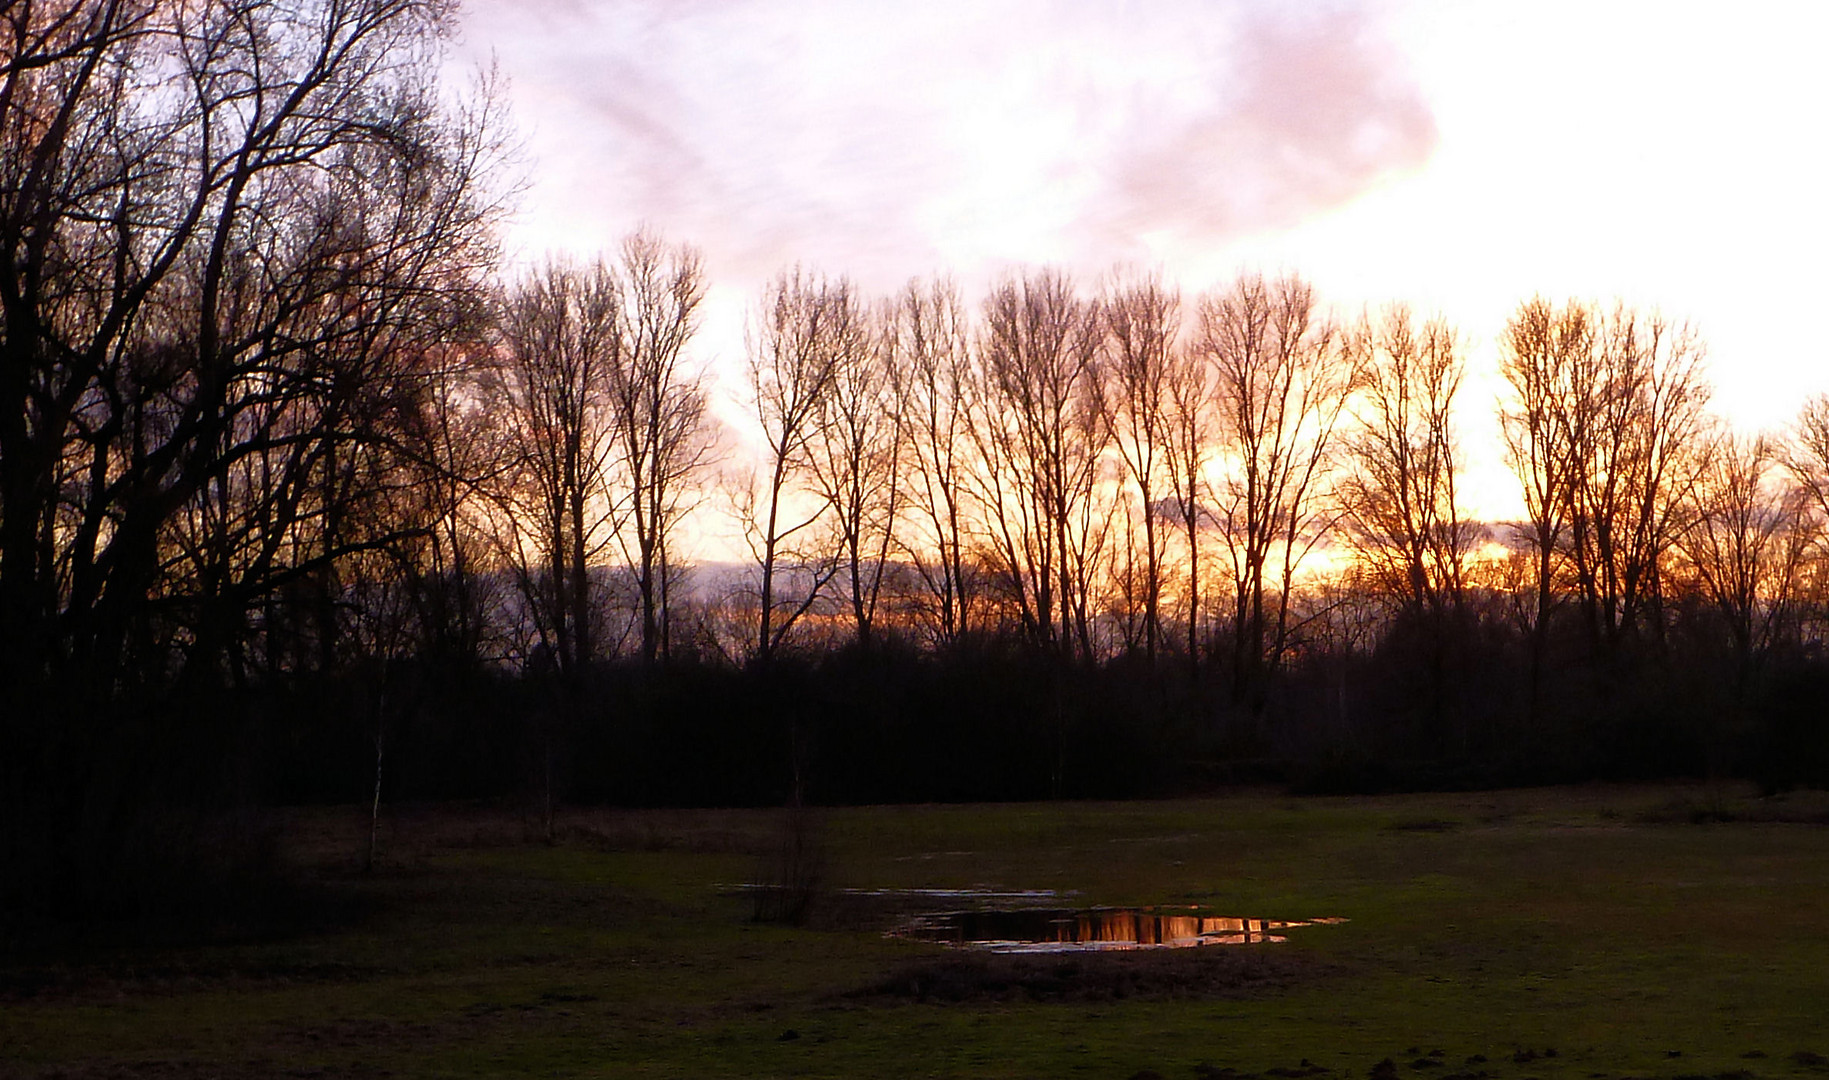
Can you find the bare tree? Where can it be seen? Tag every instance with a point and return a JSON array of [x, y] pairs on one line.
[[1040, 434], [224, 224], [1609, 433], [1747, 545], [854, 461], [1190, 448], [1806, 452], [1545, 357], [658, 406], [933, 383], [1401, 510], [1142, 319], [807, 330], [1399, 507], [554, 387], [1281, 384], [1646, 447], [231, 235], [454, 447]]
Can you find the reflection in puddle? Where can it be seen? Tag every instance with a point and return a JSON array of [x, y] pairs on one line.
[[1045, 930]]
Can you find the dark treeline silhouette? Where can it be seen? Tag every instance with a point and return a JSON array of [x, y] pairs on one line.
[[303, 502]]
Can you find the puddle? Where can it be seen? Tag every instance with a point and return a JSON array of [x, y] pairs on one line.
[[1061, 930], [986, 918]]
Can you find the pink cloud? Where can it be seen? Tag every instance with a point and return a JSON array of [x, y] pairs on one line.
[[887, 142]]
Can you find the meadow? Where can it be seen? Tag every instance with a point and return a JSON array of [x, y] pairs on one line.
[[1593, 933]]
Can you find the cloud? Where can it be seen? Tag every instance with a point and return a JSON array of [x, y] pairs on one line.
[[1305, 116], [886, 140]]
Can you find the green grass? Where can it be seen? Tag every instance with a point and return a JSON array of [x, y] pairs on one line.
[[1605, 924]]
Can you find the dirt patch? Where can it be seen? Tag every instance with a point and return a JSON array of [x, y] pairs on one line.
[[1180, 974]]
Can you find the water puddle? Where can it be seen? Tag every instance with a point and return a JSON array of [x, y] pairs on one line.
[[1000, 920], [1062, 930]]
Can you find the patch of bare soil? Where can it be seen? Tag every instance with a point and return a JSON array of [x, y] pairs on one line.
[[1173, 974]]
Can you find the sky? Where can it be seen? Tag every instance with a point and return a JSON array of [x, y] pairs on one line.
[[1460, 157]]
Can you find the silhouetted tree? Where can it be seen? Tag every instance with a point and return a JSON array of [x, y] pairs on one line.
[[1040, 434], [854, 463], [1401, 511], [1191, 430], [933, 383], [457, 457], [1746, 546], [553, 387], [230, 234], [1805, 452], [1281, 384], [1141, 320], [1640, 432], [1607, 431], [1544, 357], [1401, 516], [659, 409], [808, 329]]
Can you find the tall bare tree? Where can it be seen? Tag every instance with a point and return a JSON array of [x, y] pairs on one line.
[[1400, 513], [1747, 544], [1647, 444], [223, 224], [933, 383], [1805, 454], [854, 459], [1401, 510], [1040, 436], [658, 405], [1545, 356], [555, 387], [1190, 449], [231, 233], [1281, 385], [455, 454], [1142, 318], [1609, 431], [807, 330]]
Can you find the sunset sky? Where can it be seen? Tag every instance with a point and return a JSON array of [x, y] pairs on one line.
[[1460, 157]]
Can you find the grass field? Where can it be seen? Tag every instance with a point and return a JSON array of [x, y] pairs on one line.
[[1584, 933]]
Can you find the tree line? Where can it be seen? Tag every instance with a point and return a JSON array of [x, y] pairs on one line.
[[303, 496]]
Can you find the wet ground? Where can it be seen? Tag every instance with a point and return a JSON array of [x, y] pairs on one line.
[[1063, 930]]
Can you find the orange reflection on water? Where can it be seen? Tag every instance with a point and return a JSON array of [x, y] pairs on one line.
[[1055, 930]]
